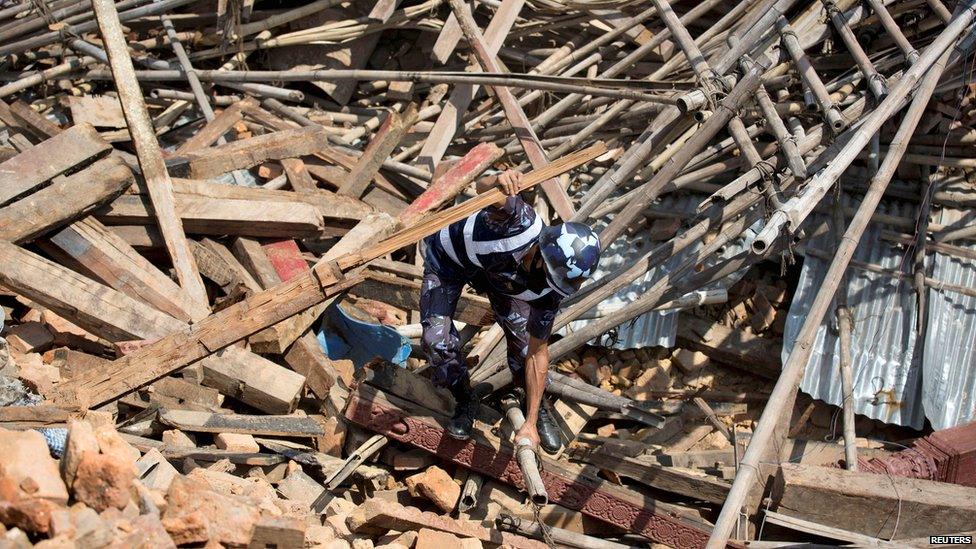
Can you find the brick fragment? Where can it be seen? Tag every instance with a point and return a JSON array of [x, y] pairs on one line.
[[690, 361], [375, 513], [103, 481], [432, 539], [237, 442], [437, 486], [195, 513]]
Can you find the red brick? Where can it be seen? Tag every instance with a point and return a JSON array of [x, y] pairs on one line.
[[195, 513], [437, 486], [103, 481]]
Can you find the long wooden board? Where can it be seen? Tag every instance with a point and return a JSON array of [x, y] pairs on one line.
[[64, 200], [35, 166], [218, 216]]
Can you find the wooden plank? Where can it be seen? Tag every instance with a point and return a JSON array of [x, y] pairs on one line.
[[754, 354], [328, 203], [235, 266], [449, 120], [405, 294], [32, 121], [671, 479], [252, 257], [64, 200], [214, 129], [39, 164], [297, 175], [869, 504], [253, 380], [247, 153], [203, 454], [269, 425], [218, 216], [95, 307], [389, 135], [108, 259], [446, 187], [147, 149], [513, 112], [820, 530], [103, 111]]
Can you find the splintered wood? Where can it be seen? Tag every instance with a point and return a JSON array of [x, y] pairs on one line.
[[212, 227]]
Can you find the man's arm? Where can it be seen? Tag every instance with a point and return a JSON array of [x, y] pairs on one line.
[[536, 369], [508, 181]]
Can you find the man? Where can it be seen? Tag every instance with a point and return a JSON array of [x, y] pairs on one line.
[[526, 269]]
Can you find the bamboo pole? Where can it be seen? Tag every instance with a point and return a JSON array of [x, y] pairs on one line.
[[724, 112], [845, 329], [894, 31], [800, 206], [814, 85], [784, 392], [876, 82], [620, 89]]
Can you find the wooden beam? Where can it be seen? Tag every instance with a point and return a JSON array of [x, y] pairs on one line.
[[32, 121], [64, 200], [108, 259], [218, 216], [247, 153], [389, 135], [253, 380], [95, 307], [258, 425], [214, 129], [32, 168], [252, 257], [449, 121], [670, 479], [297, 175], [457, 178], [147, 149], [882, 506]]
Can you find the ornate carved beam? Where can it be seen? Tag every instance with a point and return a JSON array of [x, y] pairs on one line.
[[566, 485]]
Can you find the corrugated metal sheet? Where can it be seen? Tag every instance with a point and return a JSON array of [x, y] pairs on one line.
[[656, 328], [949, 356], [887, 374]]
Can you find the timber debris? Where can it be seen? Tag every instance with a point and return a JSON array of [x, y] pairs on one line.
[[211, 217]]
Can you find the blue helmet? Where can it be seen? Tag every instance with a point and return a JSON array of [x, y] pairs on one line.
[[571, 252]]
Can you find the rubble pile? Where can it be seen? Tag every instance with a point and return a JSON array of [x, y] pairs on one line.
[[211, 260]]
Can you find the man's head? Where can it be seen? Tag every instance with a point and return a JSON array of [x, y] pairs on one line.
[[571, 252]]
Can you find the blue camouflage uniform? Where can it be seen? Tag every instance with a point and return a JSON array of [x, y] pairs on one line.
[[485, 250]]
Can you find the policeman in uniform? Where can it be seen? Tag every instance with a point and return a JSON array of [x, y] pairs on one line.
[[525, 268]]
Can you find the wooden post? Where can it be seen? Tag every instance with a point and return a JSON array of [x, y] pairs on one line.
[[147, 150]]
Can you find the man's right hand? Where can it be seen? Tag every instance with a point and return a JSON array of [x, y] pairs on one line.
[[509, 182]]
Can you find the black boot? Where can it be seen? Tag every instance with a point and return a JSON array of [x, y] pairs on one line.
[[549, 436], [466, 402]]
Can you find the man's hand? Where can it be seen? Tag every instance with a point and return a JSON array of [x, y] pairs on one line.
[[528, 431], [509, 181]]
